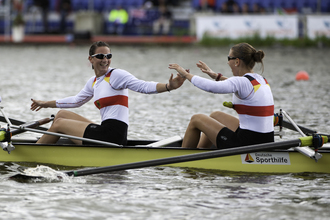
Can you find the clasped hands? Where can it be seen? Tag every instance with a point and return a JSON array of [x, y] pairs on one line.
[[185, 72]]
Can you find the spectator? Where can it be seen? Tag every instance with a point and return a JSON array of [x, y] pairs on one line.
[[205, 5], [157, 3], [164, 21], [44, 7], [256, 8], [224, 8], [235, 8], [230, 6], [262, 10], [64, 8], [245, 8], [118, 18], [137, 16]]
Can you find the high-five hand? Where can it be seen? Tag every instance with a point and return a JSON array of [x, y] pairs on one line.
[[183, 72], [206, 69]]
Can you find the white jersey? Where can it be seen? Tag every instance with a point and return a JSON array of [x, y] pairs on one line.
[[110, 94], [252, 99]]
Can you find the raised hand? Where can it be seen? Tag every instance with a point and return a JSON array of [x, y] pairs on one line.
[[176, 82], [183, 73], [206, 69]]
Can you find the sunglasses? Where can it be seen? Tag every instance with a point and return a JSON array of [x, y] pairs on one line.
[[101, 56], [232, 58]]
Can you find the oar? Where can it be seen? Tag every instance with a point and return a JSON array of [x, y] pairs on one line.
[[290, 126], [305, 150], [66, 136], [33, 124], [6, 134], [30, 127], [303, 141], [18, 122]]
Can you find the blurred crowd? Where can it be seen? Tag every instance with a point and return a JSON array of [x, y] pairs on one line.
[[149, 16], [230, 7], [261, 6], [160, 17]]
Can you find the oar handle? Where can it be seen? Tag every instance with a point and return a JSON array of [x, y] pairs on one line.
[[45, 121]]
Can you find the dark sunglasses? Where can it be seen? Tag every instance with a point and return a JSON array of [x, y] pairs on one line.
[[101, 56], [232, 58]]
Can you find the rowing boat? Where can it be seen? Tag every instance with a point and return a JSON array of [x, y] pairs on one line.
[[66, 153]]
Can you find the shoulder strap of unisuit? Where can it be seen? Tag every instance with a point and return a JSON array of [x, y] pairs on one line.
[[106, 78], [255, 83]]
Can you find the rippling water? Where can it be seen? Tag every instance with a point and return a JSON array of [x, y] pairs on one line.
[[51, 72]]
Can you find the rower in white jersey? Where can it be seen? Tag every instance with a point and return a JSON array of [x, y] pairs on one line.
[[109, 90], [252, 100]]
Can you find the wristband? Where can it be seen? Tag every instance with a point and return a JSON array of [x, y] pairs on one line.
[[218, 77], [166, 87]]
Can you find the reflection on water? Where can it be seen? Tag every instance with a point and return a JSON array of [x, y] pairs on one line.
[[51, 72], [150, 193]]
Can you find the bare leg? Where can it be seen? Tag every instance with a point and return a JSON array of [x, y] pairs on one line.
[[71, 115], [227, 120], [201, 123], [66, 122]]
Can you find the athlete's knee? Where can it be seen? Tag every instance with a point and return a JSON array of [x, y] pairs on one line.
[[57, 124], [216, 114], [61, 114], [196, 118]]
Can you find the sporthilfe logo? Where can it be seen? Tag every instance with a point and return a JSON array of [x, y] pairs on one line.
[[266, 158]]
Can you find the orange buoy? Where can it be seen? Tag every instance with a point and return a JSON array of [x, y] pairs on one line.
[[302, 75]]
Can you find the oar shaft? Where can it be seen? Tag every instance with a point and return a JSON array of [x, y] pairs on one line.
[[66, 136], [18, 122], [288, 125], [190, 157], [33, 124]]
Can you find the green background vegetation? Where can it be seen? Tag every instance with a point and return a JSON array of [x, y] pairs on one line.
[[268, 41]]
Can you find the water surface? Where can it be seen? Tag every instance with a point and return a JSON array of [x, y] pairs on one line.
[[51, 72]]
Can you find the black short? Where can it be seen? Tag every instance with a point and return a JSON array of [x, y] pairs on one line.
[[241, 137], [110, 130]]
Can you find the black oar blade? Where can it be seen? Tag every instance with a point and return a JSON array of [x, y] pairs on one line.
[[23, 177], [40, 173], [20, 177]]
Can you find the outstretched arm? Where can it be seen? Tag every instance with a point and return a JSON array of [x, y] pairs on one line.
[[37, 104]]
